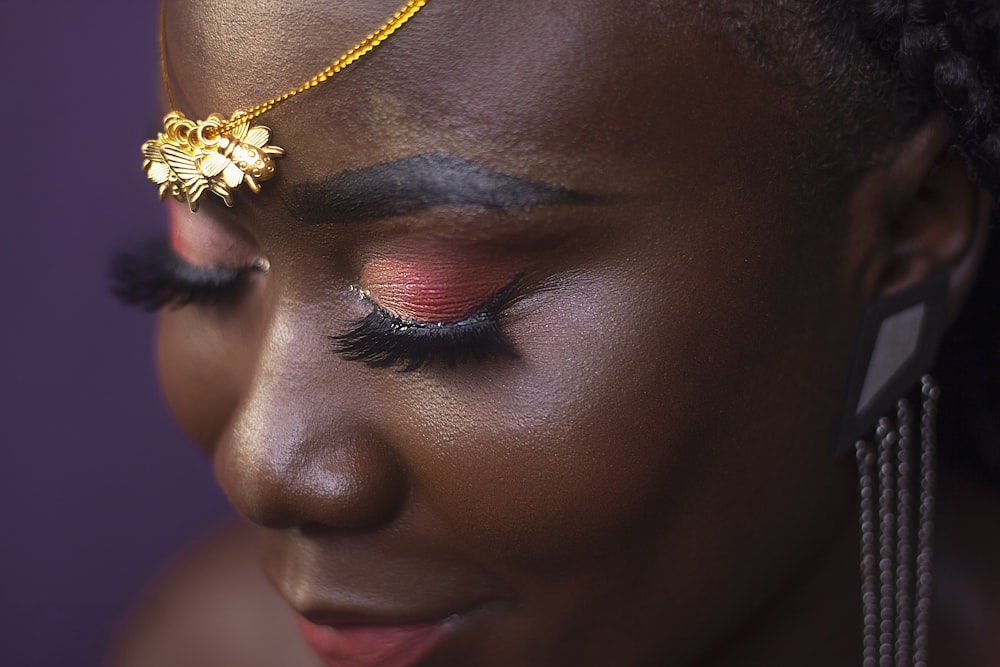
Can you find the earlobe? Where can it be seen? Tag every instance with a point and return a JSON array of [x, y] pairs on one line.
[[927, 216]]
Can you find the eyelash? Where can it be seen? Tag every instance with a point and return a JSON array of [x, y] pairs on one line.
[[383, 340], [152, 277]]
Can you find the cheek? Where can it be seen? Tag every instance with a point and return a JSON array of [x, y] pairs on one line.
[[646, 411], [555, 458], [199, 373]]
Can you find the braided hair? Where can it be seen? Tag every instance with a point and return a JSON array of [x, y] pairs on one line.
[[948, 53], [867, 72]]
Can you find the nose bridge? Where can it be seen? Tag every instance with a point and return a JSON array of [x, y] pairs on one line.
[[299, 451]]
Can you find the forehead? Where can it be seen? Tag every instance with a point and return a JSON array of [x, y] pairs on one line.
[[264, 44], [555, 89]]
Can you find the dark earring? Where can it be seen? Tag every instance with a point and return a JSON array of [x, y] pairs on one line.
[[895, 570], [896, 344]]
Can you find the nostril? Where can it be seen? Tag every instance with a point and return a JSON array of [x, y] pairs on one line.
[[348, 484]]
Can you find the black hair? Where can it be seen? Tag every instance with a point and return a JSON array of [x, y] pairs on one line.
[[947, 53], [867, 72]]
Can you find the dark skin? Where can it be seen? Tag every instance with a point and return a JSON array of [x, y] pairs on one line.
[[650, 481]]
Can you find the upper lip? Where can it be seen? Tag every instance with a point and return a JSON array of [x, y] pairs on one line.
[[321, 605], [314, 588], [336, 619]]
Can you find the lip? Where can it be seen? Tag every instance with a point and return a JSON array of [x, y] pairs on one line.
[[343, 642]]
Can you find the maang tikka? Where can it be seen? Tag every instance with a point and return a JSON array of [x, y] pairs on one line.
[[218, 154]]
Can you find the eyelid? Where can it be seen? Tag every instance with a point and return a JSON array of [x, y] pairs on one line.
[[435, 285], [442, 308], [202, 241]]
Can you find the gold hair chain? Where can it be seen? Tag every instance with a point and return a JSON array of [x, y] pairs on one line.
[[217, 155]]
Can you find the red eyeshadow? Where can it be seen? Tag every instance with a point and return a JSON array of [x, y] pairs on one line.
[[441, 289], [202, 241]]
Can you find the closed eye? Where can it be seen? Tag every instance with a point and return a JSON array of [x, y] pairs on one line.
[[152, 276], [382, 339]]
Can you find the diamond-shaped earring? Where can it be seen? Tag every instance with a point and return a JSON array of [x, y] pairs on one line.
[[895, 345]]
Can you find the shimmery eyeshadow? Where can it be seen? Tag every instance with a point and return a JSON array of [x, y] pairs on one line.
[[435, 288], [201, 241]]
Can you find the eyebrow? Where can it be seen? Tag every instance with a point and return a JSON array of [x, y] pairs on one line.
[[418, 183]]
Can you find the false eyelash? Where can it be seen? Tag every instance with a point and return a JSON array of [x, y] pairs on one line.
[[152, 276], [382, 340]]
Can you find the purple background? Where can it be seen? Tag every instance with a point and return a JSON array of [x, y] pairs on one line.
[[97, 486]]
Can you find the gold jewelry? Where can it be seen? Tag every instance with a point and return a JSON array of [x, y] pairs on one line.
[[217, 155]]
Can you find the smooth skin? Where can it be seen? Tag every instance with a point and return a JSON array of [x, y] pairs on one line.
[[650, 482]]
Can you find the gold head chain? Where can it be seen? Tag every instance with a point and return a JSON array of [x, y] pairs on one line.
[[217, 155]]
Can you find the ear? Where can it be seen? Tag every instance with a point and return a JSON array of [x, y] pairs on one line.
[[919, 214]]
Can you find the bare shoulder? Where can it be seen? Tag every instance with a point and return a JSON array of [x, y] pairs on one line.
[[966, 614], [214, 608]]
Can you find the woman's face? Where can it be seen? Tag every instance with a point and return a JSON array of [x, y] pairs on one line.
[[652, 462]]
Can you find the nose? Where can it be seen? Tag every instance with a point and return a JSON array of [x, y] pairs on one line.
[[299, 450]]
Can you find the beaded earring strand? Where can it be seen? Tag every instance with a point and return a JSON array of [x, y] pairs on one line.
[[217, 155], [896, 579]]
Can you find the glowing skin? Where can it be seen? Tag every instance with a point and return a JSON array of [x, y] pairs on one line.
[[649, 482]]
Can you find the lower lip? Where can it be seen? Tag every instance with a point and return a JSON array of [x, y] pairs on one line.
[[372, 645]]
